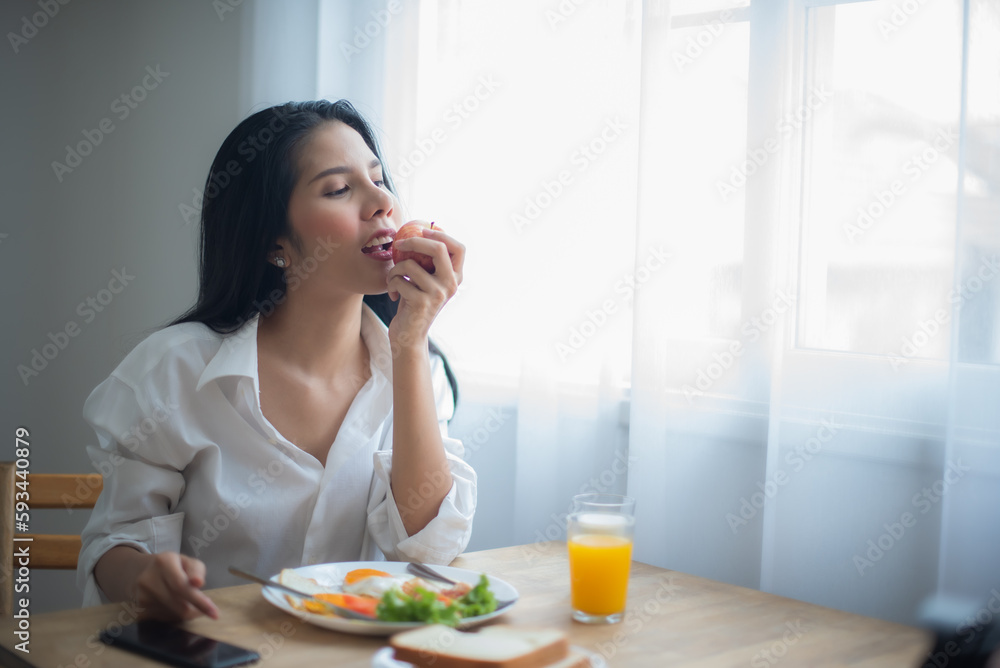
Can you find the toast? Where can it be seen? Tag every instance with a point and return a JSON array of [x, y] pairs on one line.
[[499, 646], [307, 586]]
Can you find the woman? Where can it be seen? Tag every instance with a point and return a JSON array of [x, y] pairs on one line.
[[297, 414]]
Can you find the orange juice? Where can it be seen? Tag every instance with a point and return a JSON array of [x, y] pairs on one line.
[[598, 571]]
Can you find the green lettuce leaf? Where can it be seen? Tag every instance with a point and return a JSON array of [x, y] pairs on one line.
[[479, 601], [424, 605]]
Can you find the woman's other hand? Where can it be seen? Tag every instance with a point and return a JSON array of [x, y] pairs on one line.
[[165, 586], [169, 588]]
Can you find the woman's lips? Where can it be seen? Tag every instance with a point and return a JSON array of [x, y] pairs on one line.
[[380, 252], [380, 255]]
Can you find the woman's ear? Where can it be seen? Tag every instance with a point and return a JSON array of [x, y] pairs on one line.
[[276, 256]]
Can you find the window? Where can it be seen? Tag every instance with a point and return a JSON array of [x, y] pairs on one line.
[[880, 178], [528, 124]]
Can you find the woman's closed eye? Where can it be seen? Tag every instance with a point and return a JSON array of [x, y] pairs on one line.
[[379, 183]]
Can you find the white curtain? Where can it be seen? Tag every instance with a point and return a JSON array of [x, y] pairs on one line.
[[736, 259], [837, 442]]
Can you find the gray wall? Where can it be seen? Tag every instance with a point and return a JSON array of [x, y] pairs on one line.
[[120, 208], [117, 211]]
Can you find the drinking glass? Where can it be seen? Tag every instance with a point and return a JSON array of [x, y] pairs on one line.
[[599, 538]]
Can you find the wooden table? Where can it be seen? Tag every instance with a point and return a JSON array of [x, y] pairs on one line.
[[672, 619]]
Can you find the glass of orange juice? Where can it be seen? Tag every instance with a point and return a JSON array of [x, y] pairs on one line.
[[599, 539]]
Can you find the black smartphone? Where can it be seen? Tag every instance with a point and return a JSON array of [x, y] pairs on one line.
[[177, 647]]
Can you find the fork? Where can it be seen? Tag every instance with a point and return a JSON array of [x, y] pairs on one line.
[[425, 571]]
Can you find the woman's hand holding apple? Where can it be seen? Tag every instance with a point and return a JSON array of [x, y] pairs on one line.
[[427, 273]]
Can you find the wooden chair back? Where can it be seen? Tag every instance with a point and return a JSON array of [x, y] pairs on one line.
[[37, 491]]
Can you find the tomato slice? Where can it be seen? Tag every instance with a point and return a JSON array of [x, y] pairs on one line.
[[458, 591]]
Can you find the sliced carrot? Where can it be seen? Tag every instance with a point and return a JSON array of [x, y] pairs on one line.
[[315, 608], [362, 573], [363, 604]]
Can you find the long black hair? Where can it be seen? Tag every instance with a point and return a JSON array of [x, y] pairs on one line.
[[245, 210]]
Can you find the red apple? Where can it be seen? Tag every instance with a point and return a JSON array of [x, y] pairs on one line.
[[414, 228]]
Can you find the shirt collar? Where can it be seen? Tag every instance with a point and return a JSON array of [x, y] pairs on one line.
[[237, 356]]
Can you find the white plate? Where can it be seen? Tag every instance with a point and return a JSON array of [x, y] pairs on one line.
[[384, 658], [332, 575]]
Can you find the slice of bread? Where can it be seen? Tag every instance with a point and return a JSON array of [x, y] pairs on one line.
[[305, 585], [498, 646]]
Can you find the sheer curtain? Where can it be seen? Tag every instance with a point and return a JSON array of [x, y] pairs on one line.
[[506, 126], [736, 259], [837, 440]]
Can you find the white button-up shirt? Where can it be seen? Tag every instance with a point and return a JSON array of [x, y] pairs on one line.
[[191, 465]]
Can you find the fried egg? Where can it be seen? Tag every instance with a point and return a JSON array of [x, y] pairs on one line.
[[375, 586]]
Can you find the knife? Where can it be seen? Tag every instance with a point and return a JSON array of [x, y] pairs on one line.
[[341, 611]]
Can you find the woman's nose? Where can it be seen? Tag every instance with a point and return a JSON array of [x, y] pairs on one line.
[[382, 202]]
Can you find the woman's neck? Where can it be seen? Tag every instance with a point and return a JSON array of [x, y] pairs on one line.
[[322, 343]]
